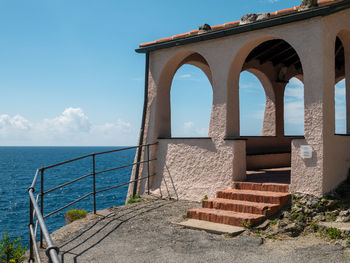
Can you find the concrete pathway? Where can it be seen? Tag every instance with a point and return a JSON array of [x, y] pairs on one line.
[[144, 232]]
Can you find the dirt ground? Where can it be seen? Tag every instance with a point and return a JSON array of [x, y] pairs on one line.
[[144, 232]]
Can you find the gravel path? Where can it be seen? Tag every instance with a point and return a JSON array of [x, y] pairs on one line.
[[143, 232]]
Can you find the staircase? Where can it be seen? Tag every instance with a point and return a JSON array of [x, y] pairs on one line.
[[247, 202]]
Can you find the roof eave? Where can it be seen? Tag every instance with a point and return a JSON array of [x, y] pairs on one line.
[[320, 11]]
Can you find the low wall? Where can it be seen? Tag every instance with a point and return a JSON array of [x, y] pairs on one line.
[[267, 144], [265, 161], [188, 169], [337, 161]]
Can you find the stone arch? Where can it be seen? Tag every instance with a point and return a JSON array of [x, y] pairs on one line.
[[163, 110], [238, 64]]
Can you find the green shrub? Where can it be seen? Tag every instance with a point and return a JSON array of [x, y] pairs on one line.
[[75, 214], [246, 224], [205, 197], [274, 222], [330, 217], [11, 251], [134, 199], [314, 227], [333, 233]]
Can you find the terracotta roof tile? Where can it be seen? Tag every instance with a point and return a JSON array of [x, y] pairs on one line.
[[217, 27], [183, 35], [164, 39], [233, 24], [147, 43], [230, 24]]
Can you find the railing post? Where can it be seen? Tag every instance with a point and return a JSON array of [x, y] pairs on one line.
[[94, 181], [42, 204], [147, 168], [31, 223]]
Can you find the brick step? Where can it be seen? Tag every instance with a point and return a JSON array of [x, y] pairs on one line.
[[223, 217], [241, 206], [270, 187], [254, 196]]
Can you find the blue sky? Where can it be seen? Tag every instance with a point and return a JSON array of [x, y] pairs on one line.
[[69, 74]]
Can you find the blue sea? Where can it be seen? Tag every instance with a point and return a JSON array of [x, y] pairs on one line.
[[17, 169]]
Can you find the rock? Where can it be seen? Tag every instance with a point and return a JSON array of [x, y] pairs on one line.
[[204, 29], [298, 209], [342, 242], [332, 204], [306, 4], [307, 211], [248, 18], [320, 218], [282, 224], [314, 203], [274, 232], [263, 225], [263, 16], [286, 214], [343, 219], [344, 213], [294, 229]]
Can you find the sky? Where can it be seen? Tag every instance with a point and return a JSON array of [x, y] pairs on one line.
[[69, 75]]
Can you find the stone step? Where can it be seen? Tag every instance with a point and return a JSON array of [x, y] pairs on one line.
[[270, 187], [241, 206], [212, 227], [223, 217], [254, 196]]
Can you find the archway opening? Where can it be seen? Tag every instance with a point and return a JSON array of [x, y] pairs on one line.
[[191, 103], [294, 108], [252, 105], [340, 102], [276, 62]]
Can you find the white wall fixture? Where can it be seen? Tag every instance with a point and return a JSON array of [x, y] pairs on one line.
[[305, 151]]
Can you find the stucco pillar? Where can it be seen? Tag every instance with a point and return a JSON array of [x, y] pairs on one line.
[[218, 121], [317, 57], [269, 123], [279, 95]]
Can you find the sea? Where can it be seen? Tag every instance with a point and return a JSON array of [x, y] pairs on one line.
[[18, 166]]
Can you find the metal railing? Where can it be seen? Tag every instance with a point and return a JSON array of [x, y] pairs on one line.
[[36, 211]]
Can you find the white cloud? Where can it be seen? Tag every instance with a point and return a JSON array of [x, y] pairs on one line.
[[185, 76], [190, 129], [339, 92], [72, 127], [16, 122], [294, 112], [294, 89], [250, 86], [72, 120]]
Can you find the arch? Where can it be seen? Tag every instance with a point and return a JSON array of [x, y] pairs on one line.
[[232, 114], [163, 108], [190, 119], [275, 57]]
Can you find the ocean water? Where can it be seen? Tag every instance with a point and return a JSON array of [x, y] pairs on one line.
[[17, 169]]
